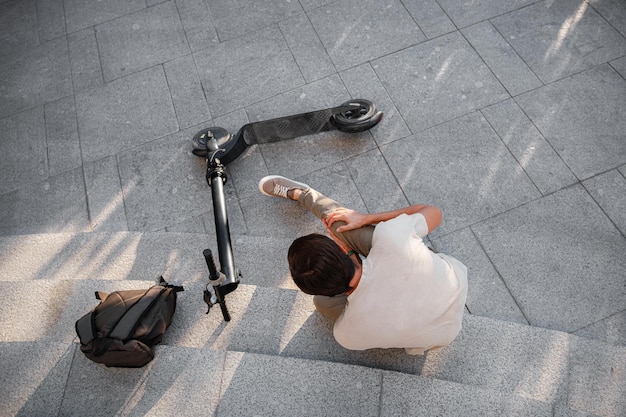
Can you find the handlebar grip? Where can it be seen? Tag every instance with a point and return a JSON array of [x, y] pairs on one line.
[[210, 263]]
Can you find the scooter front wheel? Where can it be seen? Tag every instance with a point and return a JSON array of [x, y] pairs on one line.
[[201, 139]]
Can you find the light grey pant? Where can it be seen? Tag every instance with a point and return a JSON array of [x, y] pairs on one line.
[[360, 240]]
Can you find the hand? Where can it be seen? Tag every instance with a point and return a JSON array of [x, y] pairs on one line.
[[338, 241], [353, 219]]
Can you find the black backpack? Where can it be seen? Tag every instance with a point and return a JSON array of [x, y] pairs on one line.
[[122, 329]]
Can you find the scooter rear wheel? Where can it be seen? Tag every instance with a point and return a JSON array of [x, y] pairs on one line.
[[357, 120]]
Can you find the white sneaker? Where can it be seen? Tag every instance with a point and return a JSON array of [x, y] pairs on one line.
[[277, 186]]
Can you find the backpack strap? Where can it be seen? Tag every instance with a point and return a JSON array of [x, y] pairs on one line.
[[86, 325], [100, 295], [128, 322], [85, 328], [175, 288]]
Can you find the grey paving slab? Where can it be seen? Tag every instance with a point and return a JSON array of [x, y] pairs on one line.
[[548, 265], [33, 311], [105, 195], [467, 13], [307, 49], [613, 11], [362, 82], [233, 18], [437, 81], [186, 90], [192, 225], [33, 377], [339, 183], [324, 93], [267, 216], [124, 114], [62, 136], [80, 14], [609, 191], [487, 294], [140, 40], [306, 154], [23, 150], [34, 76], [48, 310], [178, 381], [573, 115], [611, 330], [231, 83], [85, 59], [560, 38], [263, 260], [510, 69], [430, 17], [105, 257], [197, 22], [260, 319], [18, 20], [313, 4], [405, 395], [51, 19], [462, 167], [246, 171], [511, 358], [376, 184], [164, 183], [561, 410], [536, 155], [620, 66], [597, 379], [232, 121], [57, 204], [310, 388], [263, 322], [354, 32]]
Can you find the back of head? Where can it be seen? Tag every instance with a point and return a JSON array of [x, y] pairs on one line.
[[318, 266]]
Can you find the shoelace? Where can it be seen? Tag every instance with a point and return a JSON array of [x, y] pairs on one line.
[[281, 190]]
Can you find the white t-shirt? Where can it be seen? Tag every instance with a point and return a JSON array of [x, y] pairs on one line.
[[408, 296]]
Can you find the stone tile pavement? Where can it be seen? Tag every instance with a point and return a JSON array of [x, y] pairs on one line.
[[507, 114]]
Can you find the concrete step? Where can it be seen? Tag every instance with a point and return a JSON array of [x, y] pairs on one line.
[[48, 282], [200, 381], [138, 256], [566, 371]]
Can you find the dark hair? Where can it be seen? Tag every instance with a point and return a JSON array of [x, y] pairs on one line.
[[318, 266]]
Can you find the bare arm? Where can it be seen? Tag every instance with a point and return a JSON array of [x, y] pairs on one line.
[[354, 219]]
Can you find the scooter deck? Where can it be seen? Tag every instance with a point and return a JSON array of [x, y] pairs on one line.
[[290, 127]]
